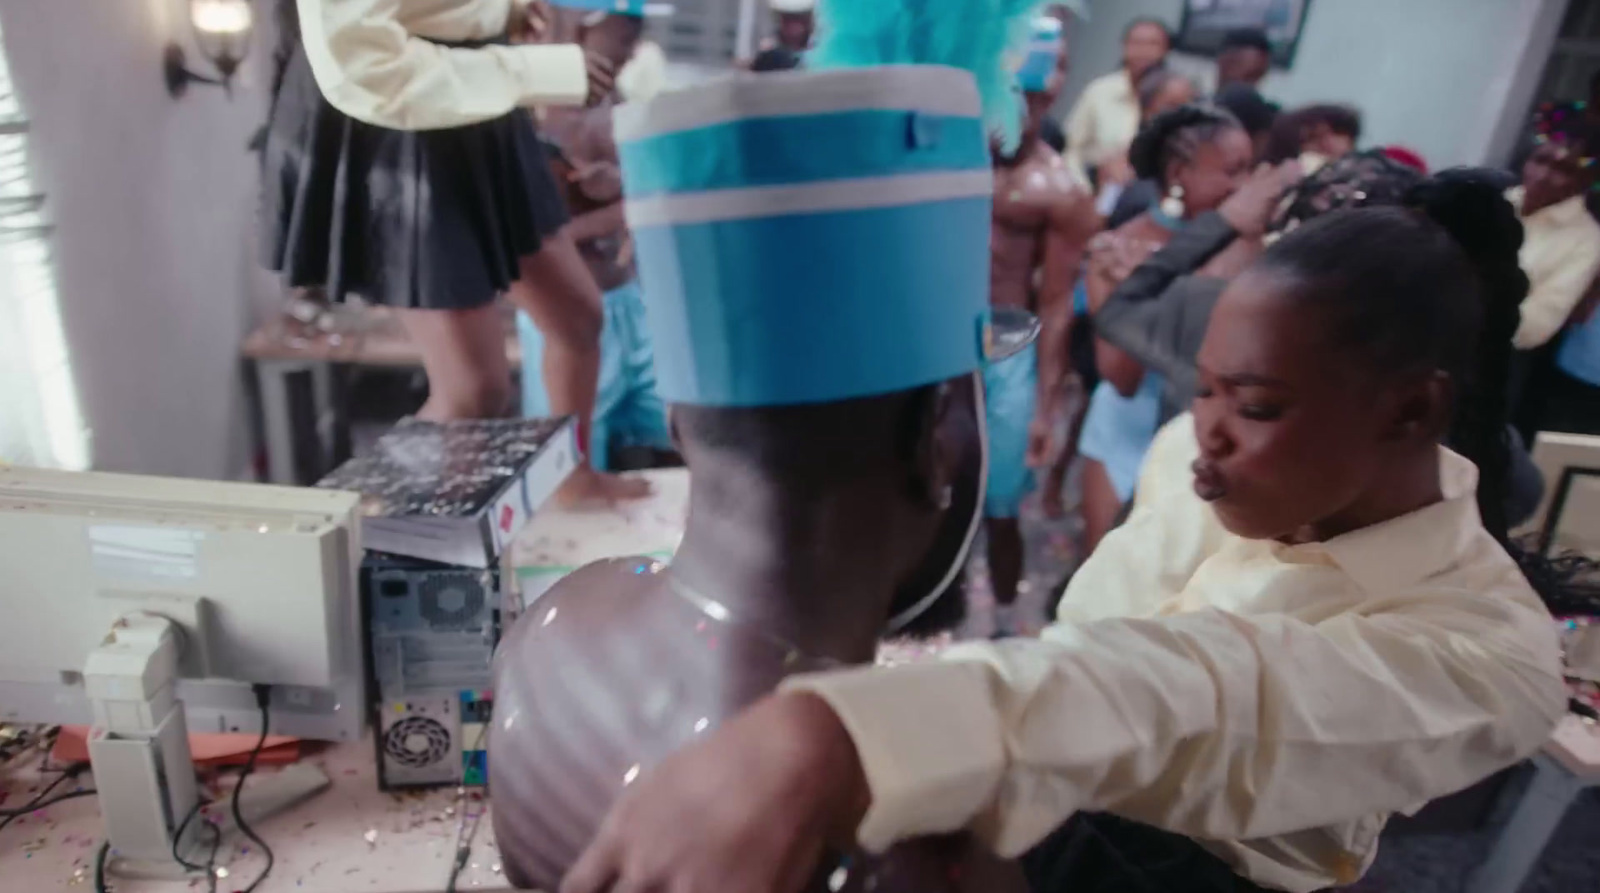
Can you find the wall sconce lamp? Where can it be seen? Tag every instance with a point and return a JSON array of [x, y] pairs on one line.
[[222, 31]]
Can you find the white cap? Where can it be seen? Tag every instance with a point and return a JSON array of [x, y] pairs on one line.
[[792, 5]]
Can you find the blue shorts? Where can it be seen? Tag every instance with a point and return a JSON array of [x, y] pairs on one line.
[[1118, 431], [1011, 391], [627, 409]]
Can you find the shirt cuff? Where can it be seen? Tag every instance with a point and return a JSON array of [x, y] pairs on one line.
[[553, 74], [928, 736]]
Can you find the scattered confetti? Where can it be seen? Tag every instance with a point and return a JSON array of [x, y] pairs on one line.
[[371, 837]]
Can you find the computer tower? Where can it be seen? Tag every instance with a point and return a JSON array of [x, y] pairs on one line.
[[432, 629], [433, 740]]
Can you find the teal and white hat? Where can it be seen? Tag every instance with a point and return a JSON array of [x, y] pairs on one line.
[[811, 237], [1043, 53], [620, 7]]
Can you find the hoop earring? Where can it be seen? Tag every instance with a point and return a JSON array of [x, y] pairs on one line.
[[1172, 205]]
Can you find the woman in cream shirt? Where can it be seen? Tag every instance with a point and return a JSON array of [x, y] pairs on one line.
[[400, 166], [1303, 628]]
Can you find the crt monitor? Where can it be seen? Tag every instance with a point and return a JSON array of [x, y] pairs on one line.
[[150, 607], [269, 572]]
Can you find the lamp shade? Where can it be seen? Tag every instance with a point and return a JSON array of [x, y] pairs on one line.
[[222, 31]]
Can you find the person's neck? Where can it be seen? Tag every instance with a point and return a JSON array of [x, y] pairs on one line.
[[1405, 486], [1025, 147], [807, 568]]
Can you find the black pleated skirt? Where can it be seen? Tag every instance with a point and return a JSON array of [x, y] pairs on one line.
[[434, 219]]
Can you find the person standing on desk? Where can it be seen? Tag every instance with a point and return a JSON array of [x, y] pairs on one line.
[[400, 165]]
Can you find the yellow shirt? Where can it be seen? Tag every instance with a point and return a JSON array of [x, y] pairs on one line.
[[374, 61], [1561, 255], [1103, 122], [1275, 703]]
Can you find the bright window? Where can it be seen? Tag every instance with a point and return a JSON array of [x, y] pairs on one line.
[[40, 422]]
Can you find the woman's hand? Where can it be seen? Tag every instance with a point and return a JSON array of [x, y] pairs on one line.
[[531, 22], [1251, 207], [751, 808]]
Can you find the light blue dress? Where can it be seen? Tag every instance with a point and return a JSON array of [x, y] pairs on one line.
[[1118, 430]]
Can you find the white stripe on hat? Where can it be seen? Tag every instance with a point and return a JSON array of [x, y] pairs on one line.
[[922, 88], [832, 195]]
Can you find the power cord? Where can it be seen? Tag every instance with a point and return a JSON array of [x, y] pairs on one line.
[[43, 798], [464, 834], [263, 695]]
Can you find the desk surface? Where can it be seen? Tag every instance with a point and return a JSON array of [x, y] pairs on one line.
[[352, 837]]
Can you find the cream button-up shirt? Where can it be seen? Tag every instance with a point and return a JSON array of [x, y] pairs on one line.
[[375, 60], [1561, 255], [1275, 703], [1103, 122]]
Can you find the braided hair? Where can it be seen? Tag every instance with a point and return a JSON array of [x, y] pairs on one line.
[[1357, 180], [1421, 274], [1174, 136]]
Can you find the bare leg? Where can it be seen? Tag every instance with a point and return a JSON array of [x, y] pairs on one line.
[[1100, 505], [464, 354], [1055, 480], [1005, 565], [560, 295]]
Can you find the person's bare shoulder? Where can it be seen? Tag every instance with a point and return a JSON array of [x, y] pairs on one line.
[[1069, 198]]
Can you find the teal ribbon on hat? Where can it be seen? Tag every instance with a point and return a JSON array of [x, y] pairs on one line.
[[621, 7], [801, 149], [813, 308]]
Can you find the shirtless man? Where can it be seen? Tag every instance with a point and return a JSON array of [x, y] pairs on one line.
[[628, 413], [1044, 217]]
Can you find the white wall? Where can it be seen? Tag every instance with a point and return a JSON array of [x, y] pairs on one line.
[[154, 204], [1440, 76]]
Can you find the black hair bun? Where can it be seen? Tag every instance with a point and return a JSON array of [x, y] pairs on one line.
[[1149, 147], [1469, 205]]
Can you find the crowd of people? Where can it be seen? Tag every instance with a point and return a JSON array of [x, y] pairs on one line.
[[1191, 188], [1309, 372]]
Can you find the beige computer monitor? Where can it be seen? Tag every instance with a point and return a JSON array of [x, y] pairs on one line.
[[261, 581]]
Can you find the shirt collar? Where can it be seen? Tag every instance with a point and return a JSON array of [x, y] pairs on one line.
[[1121, 88], [1400, 552], [1560, 214]]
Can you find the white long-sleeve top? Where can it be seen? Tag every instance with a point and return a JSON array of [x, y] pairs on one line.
[[1276, 703], [1561, 255], [375, 61]]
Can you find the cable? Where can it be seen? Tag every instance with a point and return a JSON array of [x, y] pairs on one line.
[[177, 836], [100, 866], [464, 837], [59, 798], [263, 695], [43, 798]]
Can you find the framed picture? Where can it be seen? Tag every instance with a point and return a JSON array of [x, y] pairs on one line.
[[1206, 22], [1568, 520]]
